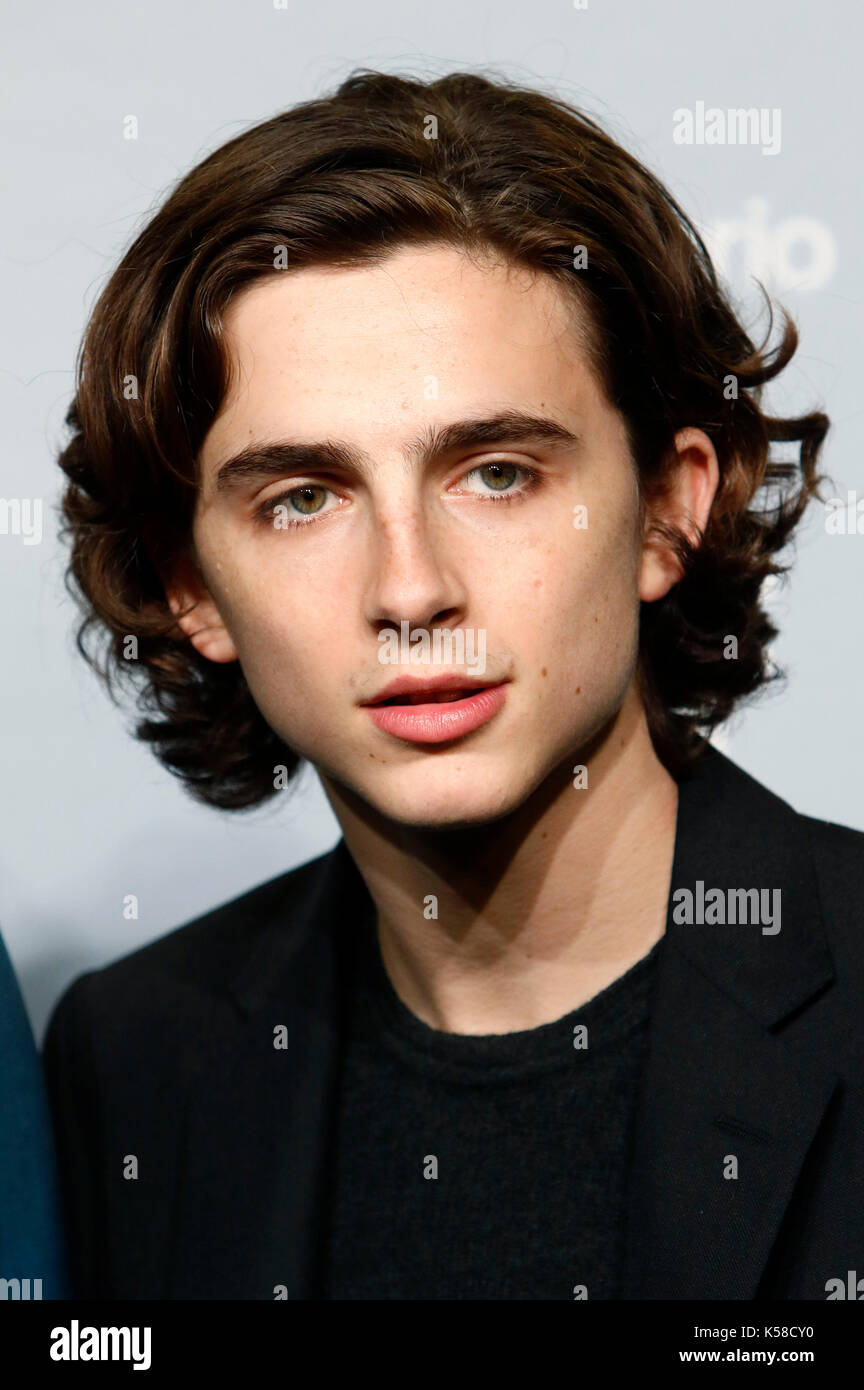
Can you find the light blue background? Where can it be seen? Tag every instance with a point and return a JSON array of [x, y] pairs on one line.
[[88, 816]]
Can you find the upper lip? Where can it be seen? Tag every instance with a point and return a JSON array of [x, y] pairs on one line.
[[414, 685]]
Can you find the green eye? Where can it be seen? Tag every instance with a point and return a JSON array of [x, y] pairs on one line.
[[500, 481], [290, 508], [497, 476], [301, 496]]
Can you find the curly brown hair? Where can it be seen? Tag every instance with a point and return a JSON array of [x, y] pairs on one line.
[[384, 162]]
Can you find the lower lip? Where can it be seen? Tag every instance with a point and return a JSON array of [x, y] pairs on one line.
[[437, 723]]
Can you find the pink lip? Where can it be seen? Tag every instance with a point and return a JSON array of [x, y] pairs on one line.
[[411, 685], [436, 723]]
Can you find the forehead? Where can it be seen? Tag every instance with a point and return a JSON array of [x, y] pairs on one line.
[[425, 334]]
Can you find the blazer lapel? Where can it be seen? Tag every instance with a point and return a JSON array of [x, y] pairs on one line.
[[725, 1088], [251, 1193]]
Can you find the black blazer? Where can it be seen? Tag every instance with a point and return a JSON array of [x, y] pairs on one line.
[[756, 1051]]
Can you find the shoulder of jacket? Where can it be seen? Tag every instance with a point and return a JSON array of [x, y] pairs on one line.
[[837, 853], [836, 848], [194, 963]]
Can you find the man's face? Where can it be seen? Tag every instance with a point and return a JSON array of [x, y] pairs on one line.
[[532, 546]]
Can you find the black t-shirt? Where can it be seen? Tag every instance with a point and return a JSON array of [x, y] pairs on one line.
[[484, 1167]]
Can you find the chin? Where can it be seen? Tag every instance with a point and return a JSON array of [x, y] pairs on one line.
[[430, 802]]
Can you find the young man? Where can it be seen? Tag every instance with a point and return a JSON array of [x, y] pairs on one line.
[[416, 439]]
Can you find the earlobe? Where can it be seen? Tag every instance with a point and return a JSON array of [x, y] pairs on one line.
[[693, 476], [198, 616]]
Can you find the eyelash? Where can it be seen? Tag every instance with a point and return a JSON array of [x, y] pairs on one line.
[[265, 513]]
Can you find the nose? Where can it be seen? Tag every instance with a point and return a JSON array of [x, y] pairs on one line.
[[414, 577]]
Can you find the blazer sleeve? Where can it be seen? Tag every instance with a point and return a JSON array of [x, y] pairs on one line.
[[72, 1087]]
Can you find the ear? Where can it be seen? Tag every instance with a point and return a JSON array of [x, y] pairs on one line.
[[197, 615], [692, 477]]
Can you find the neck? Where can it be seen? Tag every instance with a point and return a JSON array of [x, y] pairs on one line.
[[509, 925]]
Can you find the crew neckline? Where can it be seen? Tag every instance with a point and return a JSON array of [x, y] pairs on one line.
[[610, 1016]]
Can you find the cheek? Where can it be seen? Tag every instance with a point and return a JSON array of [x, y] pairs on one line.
[[286, 652], [582, 620], [589, 579], [278, 622]]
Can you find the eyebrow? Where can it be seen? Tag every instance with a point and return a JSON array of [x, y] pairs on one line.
[[263, 460]]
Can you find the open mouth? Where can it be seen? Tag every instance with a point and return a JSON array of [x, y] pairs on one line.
[[441, 714], [431, 697]]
